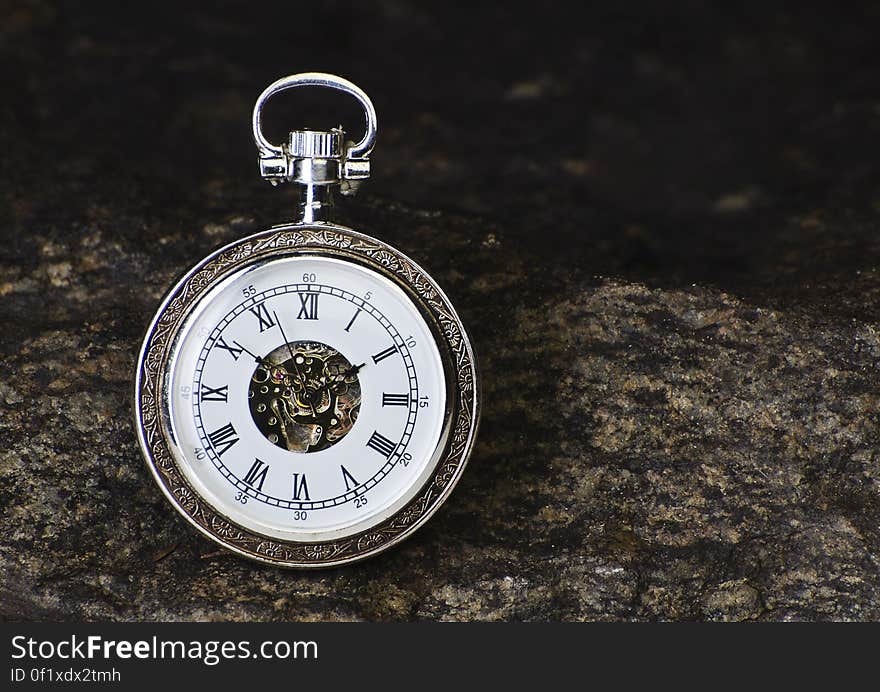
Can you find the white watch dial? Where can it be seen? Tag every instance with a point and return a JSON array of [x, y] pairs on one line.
[[307, 398]]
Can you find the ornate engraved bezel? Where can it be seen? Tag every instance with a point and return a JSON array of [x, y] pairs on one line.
[[151, 397]]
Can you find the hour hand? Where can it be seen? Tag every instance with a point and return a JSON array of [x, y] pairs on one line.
[[249, 352]]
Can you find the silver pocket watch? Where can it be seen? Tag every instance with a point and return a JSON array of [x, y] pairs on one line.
[[307, 396]]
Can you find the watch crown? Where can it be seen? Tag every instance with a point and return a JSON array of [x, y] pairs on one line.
[[316, 158], [314, 144]]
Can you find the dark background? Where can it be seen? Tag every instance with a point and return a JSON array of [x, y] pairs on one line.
[[658, 220]]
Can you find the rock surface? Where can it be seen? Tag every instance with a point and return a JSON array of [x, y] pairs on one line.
[[660, 226]]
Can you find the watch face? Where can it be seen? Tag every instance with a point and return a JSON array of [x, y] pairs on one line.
[[311, 404], [307, 397]]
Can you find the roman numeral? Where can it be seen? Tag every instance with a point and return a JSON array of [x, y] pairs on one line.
[[382, 355], [395, 399], [350, 481], [223, 438], [381, 444], [353, 318], [262, 314], [256, 476], [234, 352], [300, 489], [210, 394], [308, 306]]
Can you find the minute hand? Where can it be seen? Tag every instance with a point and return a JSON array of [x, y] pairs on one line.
[[299, 374], [284, 336]]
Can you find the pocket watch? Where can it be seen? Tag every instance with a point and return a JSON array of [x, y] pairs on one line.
[[307, 396]]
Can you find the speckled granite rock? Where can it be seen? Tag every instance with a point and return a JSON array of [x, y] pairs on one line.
[[691, 435]]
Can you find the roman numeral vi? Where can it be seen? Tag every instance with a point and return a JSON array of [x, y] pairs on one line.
[[300, 488]]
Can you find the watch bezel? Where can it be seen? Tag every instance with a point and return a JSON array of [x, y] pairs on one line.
[[152, 396]]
